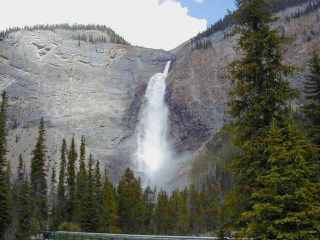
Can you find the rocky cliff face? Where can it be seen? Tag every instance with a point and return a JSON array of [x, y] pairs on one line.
[[80, 88], [96, 89]]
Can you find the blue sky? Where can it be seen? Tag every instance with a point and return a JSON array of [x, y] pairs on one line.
[[212, 10]]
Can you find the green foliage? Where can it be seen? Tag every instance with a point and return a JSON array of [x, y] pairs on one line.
[[90, 219], [149, 199], [286, 204], [312, 92], [162, 214], [82, 186], [260, 93], [69, 227], [22, 202], [130, 203], [178, 213], [197, 220], [275, 171], [4, 183], [61, 198], [53, 209], [109, 221], [39, 181], [71, 183]]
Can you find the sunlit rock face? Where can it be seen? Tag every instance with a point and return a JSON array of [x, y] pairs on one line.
[[80, 89]]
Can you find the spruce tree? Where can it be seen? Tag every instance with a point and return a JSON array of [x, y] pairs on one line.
[[312, 92], [130, 203], [260, 93], [109, 221], [71, 183], [286, 205], [39, 181], [61, 198], [90, 220], [4, 186]]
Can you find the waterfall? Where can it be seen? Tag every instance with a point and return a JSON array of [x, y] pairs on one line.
[[153, 151]]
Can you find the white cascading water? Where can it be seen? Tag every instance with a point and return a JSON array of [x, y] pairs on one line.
[[153, 150]]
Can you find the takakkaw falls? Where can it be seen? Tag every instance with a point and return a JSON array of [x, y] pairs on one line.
[[153, 152]]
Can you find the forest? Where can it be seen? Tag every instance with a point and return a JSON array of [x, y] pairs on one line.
[[275, 191]]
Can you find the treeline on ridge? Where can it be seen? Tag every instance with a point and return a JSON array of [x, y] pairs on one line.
[[114, 37]]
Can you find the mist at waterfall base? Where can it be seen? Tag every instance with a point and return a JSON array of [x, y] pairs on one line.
[[155, 163]]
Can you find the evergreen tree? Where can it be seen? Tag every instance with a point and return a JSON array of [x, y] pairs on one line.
[[61, 198], [286, 205], [130, 203], [82, 184], [260, 93], [197, 220], [109, 221], [71, 183], [178, 214], [149, 199], [98, 194], [22, 203], [53, 217], [312, 91], [90, 220], [4, 186], [161, 217], [39, 182]]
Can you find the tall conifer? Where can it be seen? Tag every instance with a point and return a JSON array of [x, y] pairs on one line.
[[71, 183], [61, 192], [39, 181]]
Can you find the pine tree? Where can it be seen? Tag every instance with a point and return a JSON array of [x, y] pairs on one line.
[[109, 221], [4, 187], [260, 94], [312, 92], [286, 205], [71, 183], [23, 204], [130, 203], [61, 198], [39, 181]]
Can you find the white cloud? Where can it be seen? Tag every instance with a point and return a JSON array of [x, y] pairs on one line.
[[150, 23]]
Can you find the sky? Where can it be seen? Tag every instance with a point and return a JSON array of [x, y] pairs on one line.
[[160, 24]]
